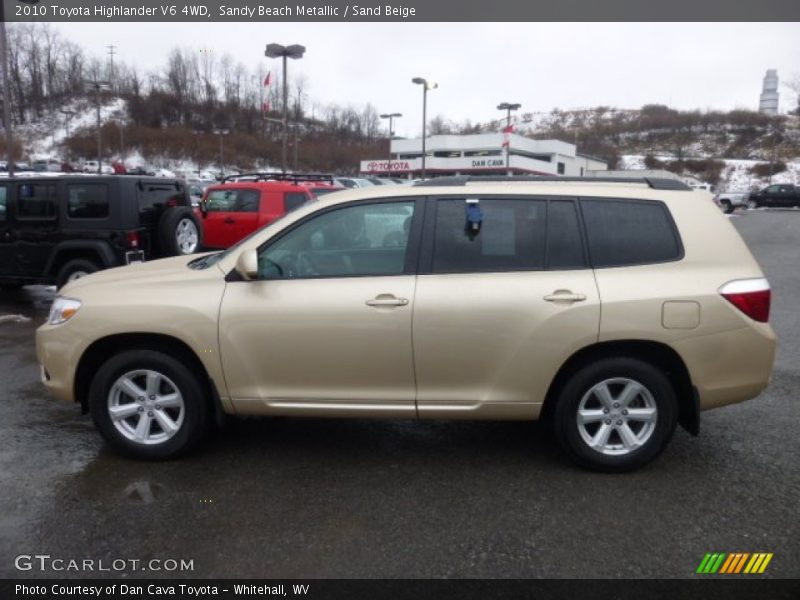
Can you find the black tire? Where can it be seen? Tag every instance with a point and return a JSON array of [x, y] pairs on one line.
[[75, 267], [196, 418], [565, 416], [727, 207], [168, 231]]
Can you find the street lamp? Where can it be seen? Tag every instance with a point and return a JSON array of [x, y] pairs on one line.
[[221, 133], [426, 85], [508, 107], [7, 87], [98, 86], [295, 51], [391, 117]]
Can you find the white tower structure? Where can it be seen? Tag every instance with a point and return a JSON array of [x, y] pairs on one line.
[[768, 103]]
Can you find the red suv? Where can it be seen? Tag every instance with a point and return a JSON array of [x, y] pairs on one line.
[[243, 203]]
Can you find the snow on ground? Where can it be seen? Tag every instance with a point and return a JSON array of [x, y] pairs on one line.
[[736, 175]]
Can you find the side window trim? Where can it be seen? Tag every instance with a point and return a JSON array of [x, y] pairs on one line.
[[67, 207], [412, 245]]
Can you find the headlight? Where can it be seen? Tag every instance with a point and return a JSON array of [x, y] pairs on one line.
[[63, 310]]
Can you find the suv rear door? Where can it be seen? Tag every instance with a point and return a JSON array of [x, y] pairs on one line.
[[499, 309], [231, 214]]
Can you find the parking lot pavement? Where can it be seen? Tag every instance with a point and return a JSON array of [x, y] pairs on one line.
[[359, 498]]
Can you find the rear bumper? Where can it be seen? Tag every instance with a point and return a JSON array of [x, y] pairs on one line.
[[730, 366]]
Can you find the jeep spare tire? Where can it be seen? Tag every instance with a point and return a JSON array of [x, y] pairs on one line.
[[179, 233]]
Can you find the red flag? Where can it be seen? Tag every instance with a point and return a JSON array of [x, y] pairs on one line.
[[507, 131], [266, 79], [265, 107]]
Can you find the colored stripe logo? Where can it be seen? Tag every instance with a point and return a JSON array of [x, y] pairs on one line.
[[734, 563]]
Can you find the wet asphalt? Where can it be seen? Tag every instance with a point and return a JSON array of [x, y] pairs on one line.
[[315, 498]]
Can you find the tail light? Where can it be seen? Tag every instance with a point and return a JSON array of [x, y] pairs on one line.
[[751, 296], [132, 238], [172, 203]]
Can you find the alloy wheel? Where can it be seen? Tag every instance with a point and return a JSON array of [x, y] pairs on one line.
[[617, 416], [187, 236]]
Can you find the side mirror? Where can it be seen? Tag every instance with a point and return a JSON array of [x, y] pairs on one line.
[[247, 264]]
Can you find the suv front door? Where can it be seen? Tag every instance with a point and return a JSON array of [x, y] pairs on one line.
[[326, 329], [231, 214], [502, 301]]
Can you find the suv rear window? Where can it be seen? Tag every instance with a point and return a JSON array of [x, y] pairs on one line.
[[233, 200], [294, 200], [153, 195], [629, 232], [87, 201]]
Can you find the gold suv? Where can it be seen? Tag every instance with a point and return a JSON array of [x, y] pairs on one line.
[[614, 309]]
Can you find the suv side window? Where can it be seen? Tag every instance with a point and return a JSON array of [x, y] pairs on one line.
[[153, 195], [511, 236], [629, 232], [294, 200], [36, 201], [87, 201], [233, 200], [356, 240], [3, 203]]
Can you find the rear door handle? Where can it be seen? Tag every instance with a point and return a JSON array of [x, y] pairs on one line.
[[386, 300], [565, 296], [229, 221]]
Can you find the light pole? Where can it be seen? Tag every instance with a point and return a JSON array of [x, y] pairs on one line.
[[98, 86], [426, 85], [508, 107], [295, 51], [391, 117], [7, 88], [68, 114], [221, 133]]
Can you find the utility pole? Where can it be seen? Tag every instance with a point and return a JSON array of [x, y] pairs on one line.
[[68, 115], [111, 53], [97, 86]]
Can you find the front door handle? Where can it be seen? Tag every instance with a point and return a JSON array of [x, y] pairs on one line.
[[565, 296], [229, 221], [386, 300]]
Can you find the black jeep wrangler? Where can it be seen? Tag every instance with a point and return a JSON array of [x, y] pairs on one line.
[[55, 229]]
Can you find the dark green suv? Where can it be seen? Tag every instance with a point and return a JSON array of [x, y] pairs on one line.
[[55, 229]]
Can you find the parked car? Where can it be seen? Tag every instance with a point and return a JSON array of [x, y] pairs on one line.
[[57, 229], [47, 164], [454, 299], [729, 201], [90, 166], [353, 182], [244, 203], [140, 170], [775, 195]]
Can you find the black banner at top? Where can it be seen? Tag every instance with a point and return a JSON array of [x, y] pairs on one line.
[[399, 10]]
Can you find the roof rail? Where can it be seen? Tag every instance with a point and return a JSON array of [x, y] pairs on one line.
[[656, 183], [278, 176]]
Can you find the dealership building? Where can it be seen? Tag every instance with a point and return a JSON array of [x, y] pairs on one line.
[[481, 154]]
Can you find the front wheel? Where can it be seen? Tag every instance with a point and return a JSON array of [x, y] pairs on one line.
[[752, 204], [148, 405], [727, 207], [616, 414]]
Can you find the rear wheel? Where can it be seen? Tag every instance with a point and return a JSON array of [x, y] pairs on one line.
[[727, 207], [75, 269], [149, 405], [752, 204], [615, 415]]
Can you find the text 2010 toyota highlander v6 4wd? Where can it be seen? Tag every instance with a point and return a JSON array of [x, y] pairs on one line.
[[615, 310]]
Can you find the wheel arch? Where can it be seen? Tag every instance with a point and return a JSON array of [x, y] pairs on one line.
[[94, 250], [658, 354], [104, 348]]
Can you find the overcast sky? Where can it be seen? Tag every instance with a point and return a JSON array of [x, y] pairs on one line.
[[477, 65]]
